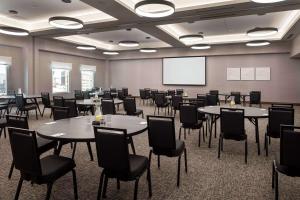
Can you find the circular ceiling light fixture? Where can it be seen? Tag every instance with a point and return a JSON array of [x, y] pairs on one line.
[[148, 50], [66, 22], [191, 38], [110, 53], [200, 46], [257, 43], [128, 43], [267, 1], [13, 31], [154, 8], [86, 47], [261, 32]]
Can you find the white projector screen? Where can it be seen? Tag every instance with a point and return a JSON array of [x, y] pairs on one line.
[[184, 71]]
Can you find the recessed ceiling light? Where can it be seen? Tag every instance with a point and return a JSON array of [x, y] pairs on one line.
[[86, 47], [261, 32], [148, 37], [200, 46], [191, 38], [66, 22], [154, 8], [110, 52], [128, 29], [13, 31], [13, 12], [257, 43], [111, 41], [148, 50], [129, 43], [267, 1], [66, 1]]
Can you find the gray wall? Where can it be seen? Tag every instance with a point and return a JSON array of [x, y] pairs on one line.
[[283, 87]]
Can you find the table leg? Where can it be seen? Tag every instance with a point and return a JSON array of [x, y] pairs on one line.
[[210, 130], [38, 107], [257, 135]]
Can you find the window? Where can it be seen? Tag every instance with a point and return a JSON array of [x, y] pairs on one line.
[[87, 77], [61, 77], [3, 79]]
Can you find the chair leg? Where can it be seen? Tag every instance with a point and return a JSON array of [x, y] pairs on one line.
[[136, 187], [74, 150], [203, 133], [19, 188], [273, 174], [75, 184], [58, 149], [219, 147], [36, 114], [49, 188], [178, 171], [100, 185], [105, 187], [51, 113], [43, 111], [4, 132], [246, 150], [184, 131], [266, 144], [158, 162], [149, 181], [179, 133], [276, 185], [199, 140], [11, 170], [118, 184], [90, 150], [132, 145], [185, 160]]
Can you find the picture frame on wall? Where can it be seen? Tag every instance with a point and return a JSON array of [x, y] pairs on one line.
[[233, 74], [247, 74], [262, 73]]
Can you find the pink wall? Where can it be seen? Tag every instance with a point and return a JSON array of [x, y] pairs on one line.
[[283, 87]]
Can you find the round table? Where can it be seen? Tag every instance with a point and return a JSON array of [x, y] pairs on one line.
[[90, 102], [251, 113]]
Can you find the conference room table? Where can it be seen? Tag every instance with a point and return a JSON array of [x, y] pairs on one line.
[[92, 102], [228, 95], [80, 129], [33, 98], [251, 113]]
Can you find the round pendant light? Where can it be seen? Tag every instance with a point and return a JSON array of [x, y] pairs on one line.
[[66, 22], [257, 43], [261, 32], [200, 46], [128, 43], [110, 53], [148, 50], [191, 38], [267, 1], [13, 31], [86, 47], [154, 8]]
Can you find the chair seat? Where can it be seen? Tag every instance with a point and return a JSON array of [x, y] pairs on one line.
[[45, 145], [193, 126], [29, 107], [237, 137], [287, 170], [54, 167], [171, 152]]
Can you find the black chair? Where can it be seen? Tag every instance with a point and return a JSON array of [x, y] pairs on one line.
[[121, 94], [78, 94], [189, 120], [130, 107], [58, 101], [255, 98], [287, 162], [200, 103], [46, 102], [232, 127], [113, 92], [202, 97], [215, 92], [125, 92], [211, 100], [171, 92], [153, 92], [179, 91], [175, 103], [12, 101], [3, 125], [120, 164], [277, 116], [44, 145], [144, 95], [23, 107], [60, 112], [108, 107], [26, 155], [107, 95], [71, 104], [161, 102], [236, 96], [162, 140], [282, 105], [86, 94]]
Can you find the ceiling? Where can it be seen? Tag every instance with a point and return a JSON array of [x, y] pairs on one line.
[[221, 21]]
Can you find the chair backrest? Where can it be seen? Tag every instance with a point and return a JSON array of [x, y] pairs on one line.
[[130, 105], [161, 132], [232, 121], [171, 92], [112, 149], [215, 92], [58, 101], [71, 104], [279, 116], [60, 112], [289, 146], [20, 101], [199, 103], [113, 90], [121, 94], [108, 107], [147, 92], [142, 94], [160, 99], [46, 99], [11, 92], [107, 95], [125, 91], [24, 150], [282, 105], [255, 97], [188, 113], [78, 95], [202, 97], [176, 100], [77, 92], [153, 93], [236, 96], [211, 100], [86, 94], [17, 121], [179, 91]]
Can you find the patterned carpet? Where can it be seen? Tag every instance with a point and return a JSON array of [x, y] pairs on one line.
[[207, 178]]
